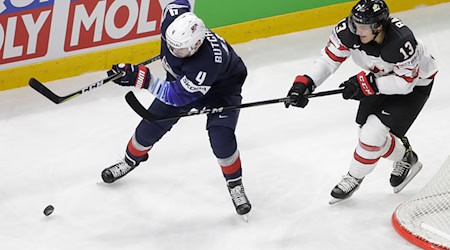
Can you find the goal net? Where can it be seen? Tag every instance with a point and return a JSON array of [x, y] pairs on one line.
[[425, 219]]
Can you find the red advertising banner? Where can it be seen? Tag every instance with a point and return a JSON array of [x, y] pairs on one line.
[[21, 28], [39, 30], [94, 23]]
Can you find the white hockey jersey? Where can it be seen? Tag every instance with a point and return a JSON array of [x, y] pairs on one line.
[[400, 63]]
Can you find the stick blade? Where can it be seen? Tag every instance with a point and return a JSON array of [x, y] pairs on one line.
[[138, 108], [39, 87]]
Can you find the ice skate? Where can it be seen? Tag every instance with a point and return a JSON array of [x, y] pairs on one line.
[[405, 170], [119, 170], [240, 200], [344, 189]]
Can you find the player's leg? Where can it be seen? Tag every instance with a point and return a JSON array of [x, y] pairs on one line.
[[222, 138], [145, 136], [399, 113], [372, 142]]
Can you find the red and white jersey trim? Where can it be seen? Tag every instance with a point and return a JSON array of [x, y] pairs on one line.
[[392, 78]]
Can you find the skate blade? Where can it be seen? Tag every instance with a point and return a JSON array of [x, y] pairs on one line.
[[335, 200], [412, 173]]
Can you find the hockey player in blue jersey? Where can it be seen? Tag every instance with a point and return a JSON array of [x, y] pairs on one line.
[[391, 94], [203, 70]]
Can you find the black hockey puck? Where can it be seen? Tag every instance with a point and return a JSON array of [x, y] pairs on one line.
[[49, 210]]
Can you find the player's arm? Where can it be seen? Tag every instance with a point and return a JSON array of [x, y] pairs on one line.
[[333, 55], [176, 6], [172, 11], [179, 92], [185, 89]]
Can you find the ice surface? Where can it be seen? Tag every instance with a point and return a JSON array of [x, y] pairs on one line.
[[292, 158]]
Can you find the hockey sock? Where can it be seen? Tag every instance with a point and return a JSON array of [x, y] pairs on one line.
[[372, 141], [231, 166], [394, 149], [135, 152], [223, 143]]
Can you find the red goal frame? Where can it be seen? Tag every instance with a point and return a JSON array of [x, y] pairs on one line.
[[416, 240]]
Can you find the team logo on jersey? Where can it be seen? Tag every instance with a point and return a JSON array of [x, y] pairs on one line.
[[375, 70], [414, 72]]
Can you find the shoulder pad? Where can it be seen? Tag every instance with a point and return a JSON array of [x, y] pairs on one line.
[[343, 33], [400, 44]]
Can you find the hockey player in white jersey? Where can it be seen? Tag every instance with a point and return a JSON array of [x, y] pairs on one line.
[[392, 90]]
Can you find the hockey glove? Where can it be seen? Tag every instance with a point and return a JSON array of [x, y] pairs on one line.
[[135, 75], [359, 86], [303, 85]]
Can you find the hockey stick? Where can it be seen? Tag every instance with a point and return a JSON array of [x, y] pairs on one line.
[[39, 87], [142, 111]]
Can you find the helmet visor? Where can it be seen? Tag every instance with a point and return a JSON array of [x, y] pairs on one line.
[[362, 28], [179, 52]]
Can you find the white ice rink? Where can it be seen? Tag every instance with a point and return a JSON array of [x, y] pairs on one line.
[[292, 158]]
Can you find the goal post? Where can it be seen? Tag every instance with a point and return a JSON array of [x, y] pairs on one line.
[[424, 220]]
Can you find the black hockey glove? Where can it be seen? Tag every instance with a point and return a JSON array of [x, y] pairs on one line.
[[359, 86], [135, 75], [303, 85]]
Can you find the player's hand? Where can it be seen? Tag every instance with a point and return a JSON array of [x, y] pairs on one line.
[[135, 75], [303, 85], [359, 86]]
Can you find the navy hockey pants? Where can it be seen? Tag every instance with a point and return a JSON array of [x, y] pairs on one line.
[[220, 126]]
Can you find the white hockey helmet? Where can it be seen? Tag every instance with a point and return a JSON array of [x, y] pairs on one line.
[[185, 35]]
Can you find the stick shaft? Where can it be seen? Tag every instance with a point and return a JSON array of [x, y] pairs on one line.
[[143, 112], [41, 88]]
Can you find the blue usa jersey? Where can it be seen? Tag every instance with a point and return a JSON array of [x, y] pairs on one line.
[[203, 73]]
